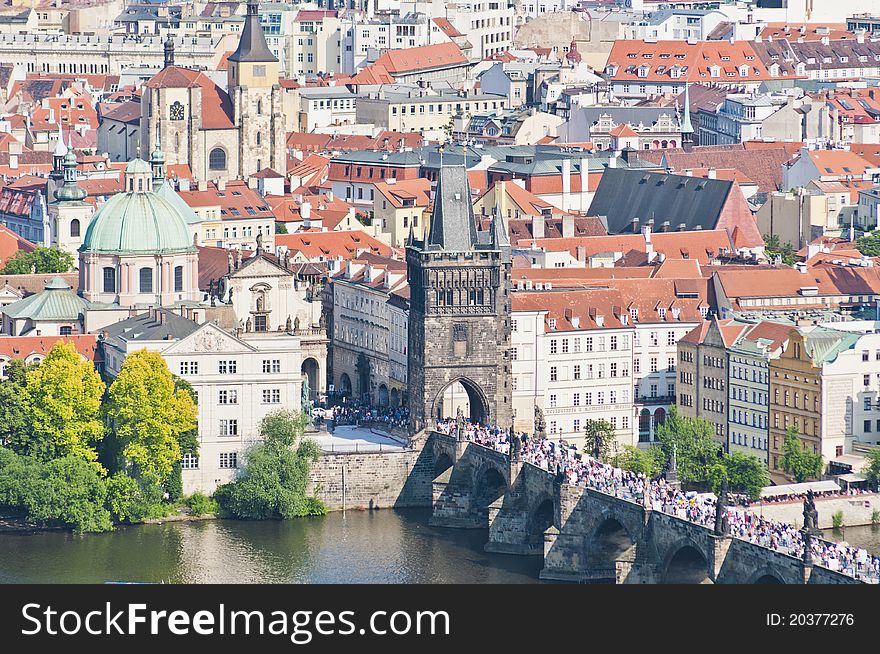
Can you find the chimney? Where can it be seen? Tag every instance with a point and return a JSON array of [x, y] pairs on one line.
[[221, 184], [581, 253], [203, 185], [585, 167], [567, 226], [566, 184], [538, 226], [635, 224], [612, 160], [305, 211]]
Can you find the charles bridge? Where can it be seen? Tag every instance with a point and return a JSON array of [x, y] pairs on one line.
[[589, 536]]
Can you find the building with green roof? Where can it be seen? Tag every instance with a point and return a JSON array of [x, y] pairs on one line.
[[138, 250], [55, 311]]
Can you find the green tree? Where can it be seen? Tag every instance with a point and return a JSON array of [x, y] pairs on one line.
[[280, 228], [773, 248], [41, 260], [599, 439], [148, 415], [869, 244], [273, 482], [744, 473], [872, 471], [13, 415], [66, 491], [62, 399], [649, 462], [796, 460], [696, 450]]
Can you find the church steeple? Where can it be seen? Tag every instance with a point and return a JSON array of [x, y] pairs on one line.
[[71, 191], [252, 63], [687, 129], [157, 161]]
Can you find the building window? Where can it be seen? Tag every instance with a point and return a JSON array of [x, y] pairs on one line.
[[552, 400], [74, 227], [226, 367], [189, 462], [217, 159], [229, 427], [229, 397], [146, 280], [577, 372], [109, 280], [553, 373], [553, 346], [228, 459], [271, 396], [189, 367], [271, 365], [178, 279]]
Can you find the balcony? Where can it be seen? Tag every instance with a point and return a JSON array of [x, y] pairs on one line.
[[657, 399]]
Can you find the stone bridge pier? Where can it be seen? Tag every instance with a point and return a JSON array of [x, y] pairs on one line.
[[468, 479], [518, 520]]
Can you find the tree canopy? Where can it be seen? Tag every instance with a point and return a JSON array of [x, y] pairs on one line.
[[649, 462], [599, 439], [148, 415], [696, 450], [744, 473], [869, 244], [62, 399], [273, 482], [773, 248], [41, 260], [797, 461], [872, 471]]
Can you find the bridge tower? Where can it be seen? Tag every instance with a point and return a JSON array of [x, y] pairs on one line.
[[459, 320]]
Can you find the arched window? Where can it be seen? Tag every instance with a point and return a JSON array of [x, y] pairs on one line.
[[259, 107], [146, 280], [217, 159], [259, 138], [74, 227], [178, 278], [109, 280]]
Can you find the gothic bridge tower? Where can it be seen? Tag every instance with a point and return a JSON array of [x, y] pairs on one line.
[[459, 320]]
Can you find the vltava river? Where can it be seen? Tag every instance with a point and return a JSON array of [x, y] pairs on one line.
[[361, 547]]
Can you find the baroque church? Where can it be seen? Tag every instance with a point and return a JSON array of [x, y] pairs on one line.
[[219, 133]]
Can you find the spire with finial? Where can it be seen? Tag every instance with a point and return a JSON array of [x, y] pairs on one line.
[[157, 160], [60, 151], [169, 51], [252, 46], [687, 129], [70, 191]]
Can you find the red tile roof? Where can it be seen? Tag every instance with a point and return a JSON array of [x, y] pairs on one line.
[[22, 347], [11, 243], [324, 246], [693, 61], [421, 58], [216, 105]]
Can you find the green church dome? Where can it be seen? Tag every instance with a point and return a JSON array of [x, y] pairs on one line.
[[135, 223], [138, 166]]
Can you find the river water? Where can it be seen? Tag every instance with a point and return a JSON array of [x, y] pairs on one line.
[[386, 546]]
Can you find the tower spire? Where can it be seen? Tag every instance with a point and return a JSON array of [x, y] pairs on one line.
[[252, 46], [169, 51], [70, 191], [687, 129], [157, 160]]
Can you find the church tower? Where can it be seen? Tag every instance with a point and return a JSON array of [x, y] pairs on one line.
[[459, 322], [256, 96], [68, 214]]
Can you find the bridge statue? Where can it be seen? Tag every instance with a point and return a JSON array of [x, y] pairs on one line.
[[811, 514], [515, 444], [721, 510], [459, 424], [305, 402], [672, 471], [540, 425]]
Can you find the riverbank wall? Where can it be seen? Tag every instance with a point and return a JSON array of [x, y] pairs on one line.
[[378, 480]]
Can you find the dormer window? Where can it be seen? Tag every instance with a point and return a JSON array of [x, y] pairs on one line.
[[704, 311], [634, 314], [661, 311], [714, 71], [552, 323]]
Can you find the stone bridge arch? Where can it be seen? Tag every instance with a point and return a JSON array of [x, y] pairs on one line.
[[686, 562], [490, 483]]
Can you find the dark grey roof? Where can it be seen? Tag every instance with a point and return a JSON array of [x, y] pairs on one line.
[[625, 194], [252, 44], [158, 325], [453, 226]]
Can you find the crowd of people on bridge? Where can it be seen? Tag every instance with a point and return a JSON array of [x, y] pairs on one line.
[[355, 413], [581, 470]]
